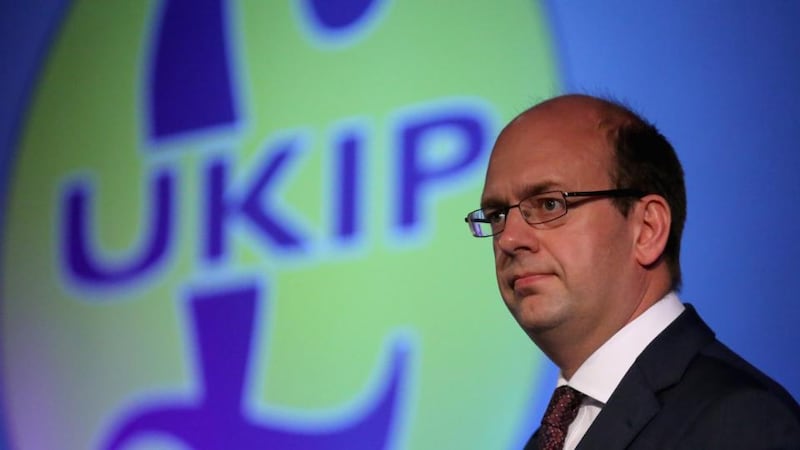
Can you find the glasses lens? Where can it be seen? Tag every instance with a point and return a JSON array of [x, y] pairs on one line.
[[543, 207], [478, 224]]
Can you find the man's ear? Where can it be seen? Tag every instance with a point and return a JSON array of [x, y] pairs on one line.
[[654, 218]]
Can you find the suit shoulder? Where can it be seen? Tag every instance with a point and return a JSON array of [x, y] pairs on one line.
[[721, 372], [717, 379], [721, 401]]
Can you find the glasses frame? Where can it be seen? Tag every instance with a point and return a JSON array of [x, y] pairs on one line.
[[608, 193]]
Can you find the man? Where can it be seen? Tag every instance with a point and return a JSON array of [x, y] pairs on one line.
[[585, 203]]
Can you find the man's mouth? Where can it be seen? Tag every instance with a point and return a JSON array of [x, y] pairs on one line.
[[528, 279]]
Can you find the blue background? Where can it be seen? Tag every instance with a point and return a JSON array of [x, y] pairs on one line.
[[722, 81], [719, 79]]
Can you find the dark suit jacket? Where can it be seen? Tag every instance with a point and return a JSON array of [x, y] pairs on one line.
[[689, 391]]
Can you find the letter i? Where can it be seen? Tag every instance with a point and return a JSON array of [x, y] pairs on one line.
[[346, 206]]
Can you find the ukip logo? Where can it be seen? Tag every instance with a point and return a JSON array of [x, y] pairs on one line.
[[190, 90], [247, 233]]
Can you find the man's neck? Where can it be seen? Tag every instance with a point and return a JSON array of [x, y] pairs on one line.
[[569, 352]]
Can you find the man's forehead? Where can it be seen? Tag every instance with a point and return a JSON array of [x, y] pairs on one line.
[[541, 140], [539, 150]]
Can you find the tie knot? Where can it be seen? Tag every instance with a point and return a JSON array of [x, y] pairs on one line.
[[560, 413], [563, 407]]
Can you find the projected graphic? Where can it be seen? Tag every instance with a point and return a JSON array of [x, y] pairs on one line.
[[224, 328], [239, 226]]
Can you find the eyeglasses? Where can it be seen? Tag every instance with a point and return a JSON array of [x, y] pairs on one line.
[[536, 209]]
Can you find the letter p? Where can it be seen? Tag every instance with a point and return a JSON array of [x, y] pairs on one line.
[[435, 152]]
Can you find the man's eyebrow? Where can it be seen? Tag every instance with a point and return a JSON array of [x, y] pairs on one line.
[[538, 188], [492, 202], [528, 191]]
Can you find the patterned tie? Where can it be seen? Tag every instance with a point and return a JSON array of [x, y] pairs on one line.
[[560, 413]]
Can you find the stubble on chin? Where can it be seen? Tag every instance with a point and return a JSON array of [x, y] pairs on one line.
[[537, 312]]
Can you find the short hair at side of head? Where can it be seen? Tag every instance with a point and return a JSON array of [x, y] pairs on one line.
[[646, 161]]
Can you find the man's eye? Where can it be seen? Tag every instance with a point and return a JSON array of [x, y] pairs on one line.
[[495, 216], [551, 204]]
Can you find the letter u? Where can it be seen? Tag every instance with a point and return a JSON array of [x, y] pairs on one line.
[[85, 264]]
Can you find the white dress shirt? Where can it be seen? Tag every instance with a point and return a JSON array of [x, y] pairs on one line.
[[600, 374]]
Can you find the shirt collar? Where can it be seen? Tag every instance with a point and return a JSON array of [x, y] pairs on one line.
[[600, 374]]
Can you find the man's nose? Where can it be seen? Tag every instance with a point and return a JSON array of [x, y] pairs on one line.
[[517, 234]]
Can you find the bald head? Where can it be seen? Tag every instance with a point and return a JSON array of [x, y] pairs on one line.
[[582, 104], [580, 112]]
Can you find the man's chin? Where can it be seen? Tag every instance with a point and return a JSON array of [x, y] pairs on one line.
[[538, 313]]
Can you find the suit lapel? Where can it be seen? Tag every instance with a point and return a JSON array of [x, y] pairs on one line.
[[625, 414], [635, 402]]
